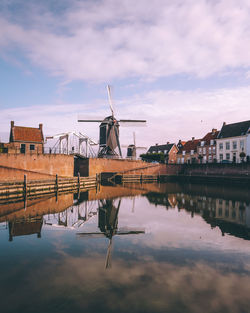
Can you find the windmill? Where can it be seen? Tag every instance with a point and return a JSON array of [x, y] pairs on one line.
[[108, 225], [131, 149], [109, 143]]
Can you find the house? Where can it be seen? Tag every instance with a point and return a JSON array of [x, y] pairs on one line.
[[169, 150], [207, 147], [25, 139], [180, 144], [188, 153], [233, 142]]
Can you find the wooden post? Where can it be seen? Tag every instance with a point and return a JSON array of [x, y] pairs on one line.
[[25, 186], [141, 178], [56, 186], [79, 186], [25, 191], [78, 179]]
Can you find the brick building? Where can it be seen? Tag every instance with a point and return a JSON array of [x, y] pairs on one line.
[[169, 150], [25, 139], [189, 152], [207, 147]]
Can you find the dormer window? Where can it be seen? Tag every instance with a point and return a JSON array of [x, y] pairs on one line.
[[183, 152], [211, 142], [202, 143]]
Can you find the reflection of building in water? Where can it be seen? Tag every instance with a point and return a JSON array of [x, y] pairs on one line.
[[233, 211], [167, 200], [231, 216], [25, 227]]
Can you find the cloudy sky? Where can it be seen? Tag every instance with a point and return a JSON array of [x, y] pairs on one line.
[[184, 66]]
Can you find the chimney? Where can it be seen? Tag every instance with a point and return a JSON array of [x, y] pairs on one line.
[[167, 142], [156, 144], [224, 123], [12, 124], [214, 130], [41, 127], [192, 138]]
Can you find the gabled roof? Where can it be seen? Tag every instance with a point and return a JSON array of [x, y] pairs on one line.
[[190, 145], [234, 130], [210, 136], [26, 134], [158, 148]]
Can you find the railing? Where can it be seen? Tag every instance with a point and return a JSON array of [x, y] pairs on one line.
[[129, 178], [23, 189]]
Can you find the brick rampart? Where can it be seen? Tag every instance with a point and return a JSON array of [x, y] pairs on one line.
[[217, 169], [35, 166], [91, 167]]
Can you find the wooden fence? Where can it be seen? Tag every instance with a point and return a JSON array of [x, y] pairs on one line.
[[23, 189]]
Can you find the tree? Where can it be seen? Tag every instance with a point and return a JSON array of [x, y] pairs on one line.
[[153, 157], [242, 156]]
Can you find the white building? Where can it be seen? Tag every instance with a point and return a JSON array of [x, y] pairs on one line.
[[232, 140]]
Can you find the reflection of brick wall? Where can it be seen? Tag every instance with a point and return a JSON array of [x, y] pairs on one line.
[[38, 207], [35, 166]]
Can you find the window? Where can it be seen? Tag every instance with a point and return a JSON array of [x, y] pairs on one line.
[[221, 146], [204, 150], [241, 144], [214, 149], [221, 157], [234, 145], [210, 150], [200, 151], [32, 147], [228, 156], [228, 145], [210, 158], [192, 152], [211, 142], [183, 152], [202, 143], [23, 148]]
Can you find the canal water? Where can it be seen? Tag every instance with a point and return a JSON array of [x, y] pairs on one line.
[[135, 248]]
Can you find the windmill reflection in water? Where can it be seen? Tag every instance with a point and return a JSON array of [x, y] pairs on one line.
[[108, 225]]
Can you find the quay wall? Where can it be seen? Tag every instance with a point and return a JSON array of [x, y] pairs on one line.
[[91, 167], [41, 166], [216, 169]]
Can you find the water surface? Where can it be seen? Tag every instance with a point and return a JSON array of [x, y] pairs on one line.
[[139, 248]]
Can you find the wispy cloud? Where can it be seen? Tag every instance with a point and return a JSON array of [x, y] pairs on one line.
[[171, 115], [103, 40]]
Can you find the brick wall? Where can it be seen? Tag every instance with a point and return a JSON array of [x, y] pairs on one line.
[[35, 166], [91, 167]]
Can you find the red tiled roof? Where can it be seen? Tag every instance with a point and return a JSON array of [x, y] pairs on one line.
[[190, 145], [210, 136], [28, 134]]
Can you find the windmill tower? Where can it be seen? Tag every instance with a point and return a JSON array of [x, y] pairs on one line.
[[109, 143], [131, 149]]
